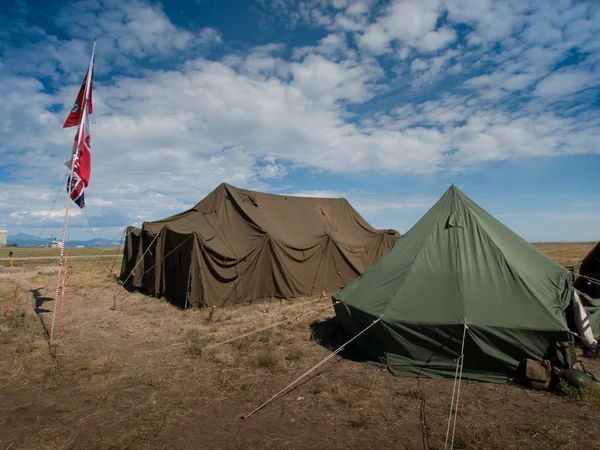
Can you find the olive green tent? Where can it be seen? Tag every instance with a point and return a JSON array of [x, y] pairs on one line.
[[458, 265], [237, 245]]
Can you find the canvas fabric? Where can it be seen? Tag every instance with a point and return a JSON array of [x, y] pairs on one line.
[[237, 245], [458, 265]]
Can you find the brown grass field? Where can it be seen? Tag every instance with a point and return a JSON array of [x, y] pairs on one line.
[[142, 377]]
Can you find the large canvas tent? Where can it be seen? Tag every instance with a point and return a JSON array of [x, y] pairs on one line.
[[589, 271], [458, 265], [238, 245]]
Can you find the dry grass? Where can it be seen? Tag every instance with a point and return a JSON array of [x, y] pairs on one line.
[[588, 396], [295, 354], [194, 342], [267, 358], [143, 377], [567, 254]]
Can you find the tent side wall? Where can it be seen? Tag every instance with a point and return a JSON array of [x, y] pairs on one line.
[[491, 354], [130, 252], [271, 269], [277, 270]]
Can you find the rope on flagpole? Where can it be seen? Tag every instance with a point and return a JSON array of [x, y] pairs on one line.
[[323, 361], [62, 302], [62, 247]]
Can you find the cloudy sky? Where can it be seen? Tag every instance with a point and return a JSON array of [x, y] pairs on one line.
[[386, 103]]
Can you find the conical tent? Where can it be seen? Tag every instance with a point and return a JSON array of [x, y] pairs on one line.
[[237, 245], [458, 265]]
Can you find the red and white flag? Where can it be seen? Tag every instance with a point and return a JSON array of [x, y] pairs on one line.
[[82, 149], [83, 161], [74, 117]]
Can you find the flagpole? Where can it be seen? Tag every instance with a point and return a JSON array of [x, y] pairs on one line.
[[69, 191]]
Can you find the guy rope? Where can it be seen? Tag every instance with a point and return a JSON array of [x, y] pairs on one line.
[[323, 361], [456, 390]]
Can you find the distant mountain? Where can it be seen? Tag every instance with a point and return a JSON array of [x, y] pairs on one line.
[[24, 240], [28, 240], [100, 242]]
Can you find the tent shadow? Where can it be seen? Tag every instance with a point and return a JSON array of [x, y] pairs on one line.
[[128, 285], [39, 300], [331, 335]]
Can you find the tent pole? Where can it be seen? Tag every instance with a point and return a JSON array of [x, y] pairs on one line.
[[187, 292]]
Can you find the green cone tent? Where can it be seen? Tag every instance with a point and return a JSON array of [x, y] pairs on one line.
[[458, 264]]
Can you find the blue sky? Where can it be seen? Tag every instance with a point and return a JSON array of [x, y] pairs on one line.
[[386, 103]]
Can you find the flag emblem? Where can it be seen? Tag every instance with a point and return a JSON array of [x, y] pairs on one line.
[[81, 157]]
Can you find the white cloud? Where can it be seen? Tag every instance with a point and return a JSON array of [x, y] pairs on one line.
[[272, 171], [419, 65], [375, 39], [164, 138], [321, 80], [492, 20], [318, 194], [436, 40], [392, 204], [566, 83], [410, 22], [125, 31]]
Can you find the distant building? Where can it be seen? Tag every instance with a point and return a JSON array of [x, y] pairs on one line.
[[3, 237], [55, 244]]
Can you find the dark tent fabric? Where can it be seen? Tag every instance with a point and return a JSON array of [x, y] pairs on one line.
[[590, 269], [132, 242], [238, 245], [458, 264]]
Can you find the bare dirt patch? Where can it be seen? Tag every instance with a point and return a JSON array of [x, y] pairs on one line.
[[144, 377]]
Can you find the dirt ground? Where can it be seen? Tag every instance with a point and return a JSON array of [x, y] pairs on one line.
[[143, 377]]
